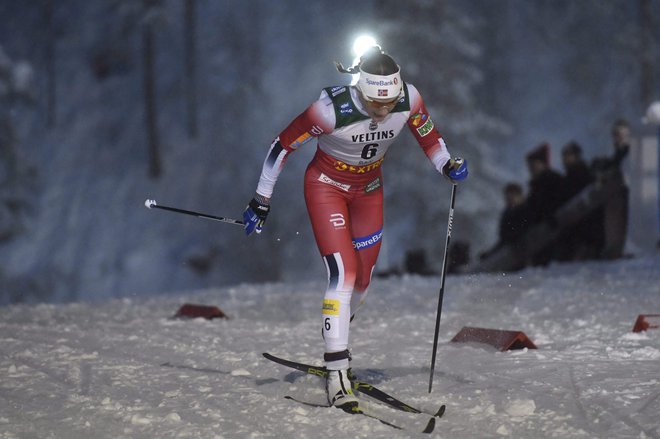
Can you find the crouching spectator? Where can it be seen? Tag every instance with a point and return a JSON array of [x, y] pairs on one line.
[[513, 220]]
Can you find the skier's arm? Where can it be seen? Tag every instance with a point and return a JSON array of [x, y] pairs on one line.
[[317, 119], [430, 140], [427, 135]]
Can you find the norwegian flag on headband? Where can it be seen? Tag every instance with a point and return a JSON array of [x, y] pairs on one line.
[[382, 92]]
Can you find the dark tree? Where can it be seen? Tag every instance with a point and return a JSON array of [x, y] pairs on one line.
[[190, 31], [149, 87], [647, 50], [16, 181], [51, 83]]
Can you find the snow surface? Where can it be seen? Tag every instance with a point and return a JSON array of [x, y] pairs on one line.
[[124, 369]]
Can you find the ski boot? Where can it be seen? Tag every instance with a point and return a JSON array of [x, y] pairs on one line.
[[338, 383], [339, 390]]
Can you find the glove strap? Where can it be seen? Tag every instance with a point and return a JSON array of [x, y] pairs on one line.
[[262, 200], [447, 167]]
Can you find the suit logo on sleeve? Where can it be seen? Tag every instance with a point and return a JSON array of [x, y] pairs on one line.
[[300, 141], [422, 122], [418, 119], [306, 137], [426, 127], [316, 130]]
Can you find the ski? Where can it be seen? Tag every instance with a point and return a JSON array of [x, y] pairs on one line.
[[362, 409], [360, 386]]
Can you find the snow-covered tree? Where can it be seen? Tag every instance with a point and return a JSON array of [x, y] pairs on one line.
[[436, 44], [15, 180]]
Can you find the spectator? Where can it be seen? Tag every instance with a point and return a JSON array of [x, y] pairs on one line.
[[577, 173], [582, 240], [545, 195], [513, 221], [546, 192], [608, 173], [621, 144]]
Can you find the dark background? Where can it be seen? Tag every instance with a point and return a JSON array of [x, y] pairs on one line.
[[106, 103]]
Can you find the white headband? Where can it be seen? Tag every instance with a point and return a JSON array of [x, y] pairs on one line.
[[380, 87]]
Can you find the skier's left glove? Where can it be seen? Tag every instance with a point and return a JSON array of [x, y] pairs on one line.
[[456, 169], [255, 215]]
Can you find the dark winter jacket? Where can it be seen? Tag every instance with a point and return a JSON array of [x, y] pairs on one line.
[[546, 193], [578, 176], [513, 224], [582, 239], [610, 167]]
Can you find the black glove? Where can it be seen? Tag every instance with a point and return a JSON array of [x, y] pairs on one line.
[[255, 215]]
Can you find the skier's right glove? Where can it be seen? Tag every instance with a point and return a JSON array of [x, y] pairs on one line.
[[255, 215]]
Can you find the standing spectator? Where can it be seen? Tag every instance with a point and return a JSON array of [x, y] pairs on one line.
[[577, 174], [582, 240], [608, 173], [546, 192], [545, 195]]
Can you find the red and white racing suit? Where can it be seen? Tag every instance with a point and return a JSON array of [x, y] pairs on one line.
[[344, 190]]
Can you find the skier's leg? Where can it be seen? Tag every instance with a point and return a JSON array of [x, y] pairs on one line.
[[327, 206], [366, 212], [328, 210]]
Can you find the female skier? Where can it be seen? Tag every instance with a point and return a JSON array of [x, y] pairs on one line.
[[354, 125]]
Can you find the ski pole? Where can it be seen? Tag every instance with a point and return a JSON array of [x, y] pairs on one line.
[[152, 204], [442, 284]]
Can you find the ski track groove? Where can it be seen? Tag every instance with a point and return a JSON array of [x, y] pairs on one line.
[[44, 370], [648, 402], [575, 392], [611, 412], [82, 344]]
